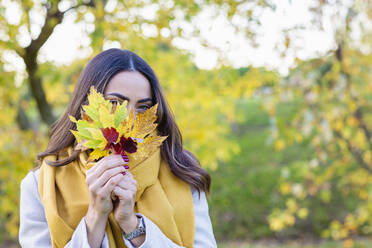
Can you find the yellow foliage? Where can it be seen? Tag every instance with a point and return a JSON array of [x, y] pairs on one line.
[[352, 121], [289, 219], [363, 216], [279, 145], [278, 220], [338, 125], [291, 205], [285, 188], [276, 224], [302, 213], [351, 223], [17, 156], [298, 137], [367, 156]]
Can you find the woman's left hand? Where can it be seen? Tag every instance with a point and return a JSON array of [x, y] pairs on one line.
[[124, 205]]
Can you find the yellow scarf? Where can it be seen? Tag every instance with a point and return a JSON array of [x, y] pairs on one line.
[[161, 196]]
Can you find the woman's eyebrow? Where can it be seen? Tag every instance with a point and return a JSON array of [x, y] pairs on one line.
[[119, 95], [145, 100], [126, 98]]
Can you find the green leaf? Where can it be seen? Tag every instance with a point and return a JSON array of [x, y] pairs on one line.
[[81, 128], [92, 112], [120, 113], [93, 144]]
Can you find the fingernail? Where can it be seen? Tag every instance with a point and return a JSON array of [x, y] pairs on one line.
[[126, 167], [124, 173], [125, 158]]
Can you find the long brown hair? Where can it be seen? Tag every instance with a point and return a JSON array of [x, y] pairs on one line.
[[98, 73]]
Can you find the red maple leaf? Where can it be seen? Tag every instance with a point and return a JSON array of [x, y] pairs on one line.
[[124, 145]]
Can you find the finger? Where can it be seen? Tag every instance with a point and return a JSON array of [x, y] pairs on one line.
[[124, 194], [105, 191], [102, 180], [129, 178], [127, 185], [98, 163], [129, 174], [108, 163]]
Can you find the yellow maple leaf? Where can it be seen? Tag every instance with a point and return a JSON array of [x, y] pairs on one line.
[[144, 122], [105, 116], [147, 147], [97, 153], [125, 127]]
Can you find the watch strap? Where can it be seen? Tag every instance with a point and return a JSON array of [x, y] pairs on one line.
[[138, 231]]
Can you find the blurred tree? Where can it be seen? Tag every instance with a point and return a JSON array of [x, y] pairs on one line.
[[106, 20], [333, 96]]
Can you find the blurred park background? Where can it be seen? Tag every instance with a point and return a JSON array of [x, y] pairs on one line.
[[274, 98]]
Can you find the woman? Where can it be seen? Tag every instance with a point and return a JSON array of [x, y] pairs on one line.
[[161, 201]]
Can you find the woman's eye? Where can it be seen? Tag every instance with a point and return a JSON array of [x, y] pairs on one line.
[[144, 107], [114, 102]]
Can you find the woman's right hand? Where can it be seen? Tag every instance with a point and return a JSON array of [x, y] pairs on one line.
[[101, 179]]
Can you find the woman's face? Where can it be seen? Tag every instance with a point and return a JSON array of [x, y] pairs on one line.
[[131, 86]]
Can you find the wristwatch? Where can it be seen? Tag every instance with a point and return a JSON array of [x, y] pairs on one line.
[[138, 231]]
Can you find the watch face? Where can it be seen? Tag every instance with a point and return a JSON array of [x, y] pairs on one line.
[[141, 222]]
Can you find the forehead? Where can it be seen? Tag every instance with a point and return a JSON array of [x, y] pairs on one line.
[[131, 84]]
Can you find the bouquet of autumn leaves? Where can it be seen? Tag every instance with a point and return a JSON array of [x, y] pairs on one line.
[[107, 129]]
